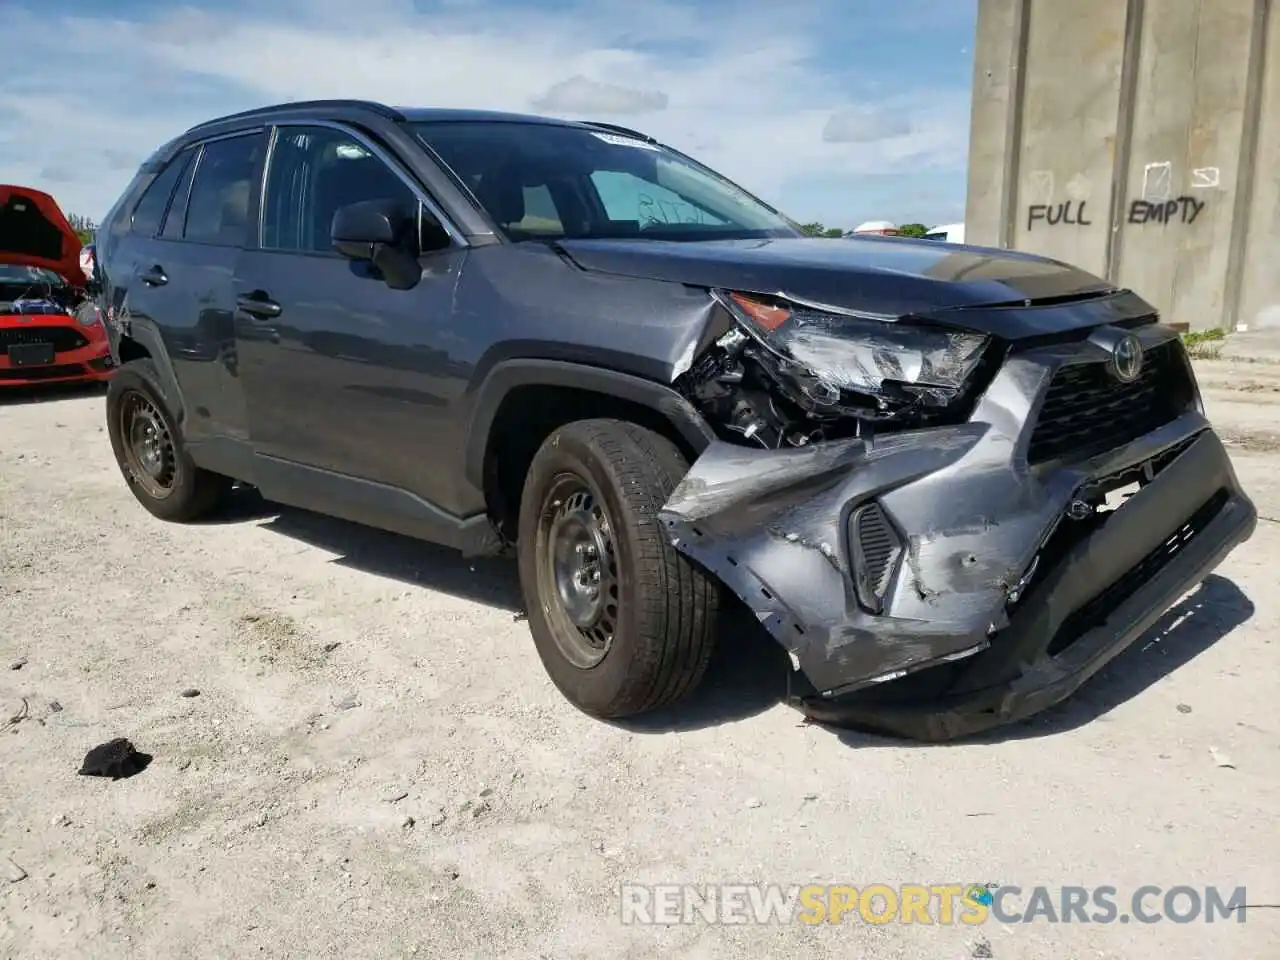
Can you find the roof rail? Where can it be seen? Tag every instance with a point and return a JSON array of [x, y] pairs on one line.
[[271, 109], [616, 128]]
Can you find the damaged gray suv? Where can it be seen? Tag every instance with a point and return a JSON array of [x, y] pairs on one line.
[[952, 482]]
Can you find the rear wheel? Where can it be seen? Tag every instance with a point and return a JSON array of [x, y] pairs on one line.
[[622, 622], [149, 450]]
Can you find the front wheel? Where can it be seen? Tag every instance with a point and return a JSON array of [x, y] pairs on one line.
[[622, 622], [149, 450]]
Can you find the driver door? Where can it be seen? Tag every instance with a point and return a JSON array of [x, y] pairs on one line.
[[348, 381]]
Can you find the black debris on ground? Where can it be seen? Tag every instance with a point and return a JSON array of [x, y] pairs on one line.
[[117, 759]]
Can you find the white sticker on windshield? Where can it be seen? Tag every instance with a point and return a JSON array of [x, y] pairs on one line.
[[620, 141]]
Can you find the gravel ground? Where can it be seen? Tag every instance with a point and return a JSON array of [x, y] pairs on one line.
[[375, 764]]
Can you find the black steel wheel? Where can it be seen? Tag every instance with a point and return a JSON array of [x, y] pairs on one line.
[[148, 448], [579, 568]]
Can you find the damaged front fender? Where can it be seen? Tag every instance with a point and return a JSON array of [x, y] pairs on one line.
[[779, 528]]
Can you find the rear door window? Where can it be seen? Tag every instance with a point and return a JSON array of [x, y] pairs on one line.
[[220, 205]]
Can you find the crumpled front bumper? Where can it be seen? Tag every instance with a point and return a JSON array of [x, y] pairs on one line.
[[970, 581]]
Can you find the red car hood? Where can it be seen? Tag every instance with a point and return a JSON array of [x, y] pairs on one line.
[[34, 233]]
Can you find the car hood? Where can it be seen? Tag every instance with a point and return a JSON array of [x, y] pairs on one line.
[[34, 233], [965, 285]]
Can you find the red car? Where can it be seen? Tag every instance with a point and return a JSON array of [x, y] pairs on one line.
[[50, 331]]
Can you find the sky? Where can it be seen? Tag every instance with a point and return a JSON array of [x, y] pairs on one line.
[[837, 111]]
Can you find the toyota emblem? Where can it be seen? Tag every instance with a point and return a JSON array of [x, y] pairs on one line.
[[1126, 359]]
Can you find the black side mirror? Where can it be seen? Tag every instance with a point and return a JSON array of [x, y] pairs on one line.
[[358, 229], [382, 232]]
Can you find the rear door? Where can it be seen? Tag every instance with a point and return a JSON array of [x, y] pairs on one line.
[[180, 268]]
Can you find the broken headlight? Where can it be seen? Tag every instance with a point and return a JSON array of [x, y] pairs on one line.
[[887, 361]]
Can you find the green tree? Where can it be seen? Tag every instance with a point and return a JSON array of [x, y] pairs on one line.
[[83, 226], [819, 230], [913, 230]]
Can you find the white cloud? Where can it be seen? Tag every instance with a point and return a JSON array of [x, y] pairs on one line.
[[92, 96], [581, 95], [57, 175], [865, 125]]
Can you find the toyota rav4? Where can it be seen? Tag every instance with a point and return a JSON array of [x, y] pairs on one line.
[[952, 482]]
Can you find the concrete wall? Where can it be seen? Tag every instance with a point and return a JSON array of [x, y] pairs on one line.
[[1139, 139]]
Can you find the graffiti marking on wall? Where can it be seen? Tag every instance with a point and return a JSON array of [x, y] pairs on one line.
[[1180, 209], [1157, 181], [1069, 213], [1204, 178]]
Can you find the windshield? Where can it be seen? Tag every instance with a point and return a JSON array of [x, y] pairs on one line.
[[35, 276], [543, 181]]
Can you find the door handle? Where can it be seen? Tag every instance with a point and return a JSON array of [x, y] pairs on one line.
[[258, 305], [155, 277]]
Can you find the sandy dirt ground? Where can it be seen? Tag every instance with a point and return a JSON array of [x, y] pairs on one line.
[[375, 764]]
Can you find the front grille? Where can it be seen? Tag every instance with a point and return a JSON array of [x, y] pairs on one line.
[[56, 372], [62, 338], [1087, 411], [1096, 611]]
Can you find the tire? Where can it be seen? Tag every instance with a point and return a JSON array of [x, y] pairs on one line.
[[653, 648], [181, 491]]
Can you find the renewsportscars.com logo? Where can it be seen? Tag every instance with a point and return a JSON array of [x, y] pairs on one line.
[[942, 904]]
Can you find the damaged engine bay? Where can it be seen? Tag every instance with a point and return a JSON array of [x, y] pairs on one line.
[[780, 373]]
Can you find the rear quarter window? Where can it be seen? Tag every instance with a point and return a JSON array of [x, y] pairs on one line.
[[148, 212], [176, 217]]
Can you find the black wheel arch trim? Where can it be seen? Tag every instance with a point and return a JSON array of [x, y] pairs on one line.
[[508, 375], [149, 338]]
